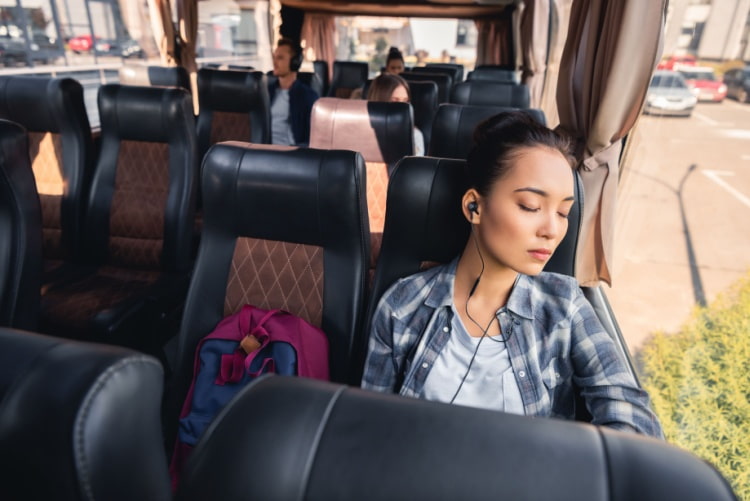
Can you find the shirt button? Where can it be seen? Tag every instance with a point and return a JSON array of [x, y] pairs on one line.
[[446, 329], [425, 365], [502, 314], [521, 373]]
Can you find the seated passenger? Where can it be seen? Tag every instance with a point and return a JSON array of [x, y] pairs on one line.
[[291, 99], [389, 88], [394, 63], [491, 329]]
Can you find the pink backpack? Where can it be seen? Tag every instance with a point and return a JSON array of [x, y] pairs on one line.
[[242, 347]]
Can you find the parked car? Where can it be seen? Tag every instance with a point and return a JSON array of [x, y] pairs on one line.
[[41, 49], [126, 48], [668, 94], [81, 43], [703, 82], [738, 84], [672, 61]]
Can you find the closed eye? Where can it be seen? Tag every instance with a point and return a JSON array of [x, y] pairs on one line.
[[528, 209]]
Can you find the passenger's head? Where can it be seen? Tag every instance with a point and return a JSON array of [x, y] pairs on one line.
[[521, 190], [394, 63], [389, 88], [287, 57]]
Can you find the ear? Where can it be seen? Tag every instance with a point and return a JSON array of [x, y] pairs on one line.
[[470, 196]]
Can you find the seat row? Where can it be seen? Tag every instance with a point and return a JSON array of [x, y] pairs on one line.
[[81, 421]]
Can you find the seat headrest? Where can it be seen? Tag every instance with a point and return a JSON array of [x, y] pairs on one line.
[[453, 128], [382, 132], [349, 74], [75, 416], [233, 91], [144, 113], [456, 69], [42, 104], [354, 444], [489, 93], [494, 74], [443, 81], [242, 181], [172, 76]]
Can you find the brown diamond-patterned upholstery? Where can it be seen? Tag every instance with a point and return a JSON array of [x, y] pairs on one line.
[[255, 198], [234, 106], [381, 132], [20, 232], [276, 275], [347, 76], [138, 223], [61, 152]]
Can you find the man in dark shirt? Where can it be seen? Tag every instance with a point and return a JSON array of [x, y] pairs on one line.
[[291, 99]]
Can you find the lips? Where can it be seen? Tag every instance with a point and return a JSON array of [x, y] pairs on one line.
[[540, 254]]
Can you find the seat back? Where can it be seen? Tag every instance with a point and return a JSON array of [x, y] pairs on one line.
[[457, 70], [283, 228], [323, 441], [161, 76], [320, 68], [312, 80], [453, 128], [494, 74], [347, 76], [424, 100], [488, 93], [381, 132], [20, 231], [234, 105], [424, 224], [60, 149], [442, 80], [142, 204], [79, 421]]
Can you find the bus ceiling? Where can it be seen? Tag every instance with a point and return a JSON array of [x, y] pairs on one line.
[[467, 9]]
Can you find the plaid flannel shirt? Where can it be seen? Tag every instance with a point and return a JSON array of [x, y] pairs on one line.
[[555, 343]]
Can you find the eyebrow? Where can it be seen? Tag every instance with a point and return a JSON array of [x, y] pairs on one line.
[[543, 193]]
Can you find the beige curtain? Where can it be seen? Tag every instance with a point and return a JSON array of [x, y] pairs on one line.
[[493, 39], [610, 53], [187, 15], [534, 37], [318, 32], [163, 28]]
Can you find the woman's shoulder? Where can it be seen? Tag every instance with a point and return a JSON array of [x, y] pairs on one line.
[[417, 286], [555, 288]]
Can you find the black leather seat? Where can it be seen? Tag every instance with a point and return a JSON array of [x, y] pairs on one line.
[[312, 80], [381, 132], [456, 69], [61, 152], [322, 441], [234, 105], [161, 76], [488, 93], [283, 228], [79, 421], [20, 232], [442, 80], [494, 74], [139, 223], [424, 100], [320, 68], [454, 124], [347, 76]]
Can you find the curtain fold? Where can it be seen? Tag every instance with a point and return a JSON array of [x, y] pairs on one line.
[[609, 56], [318, 32], [534, 39], [187, 15], [161, 24], [494, 39]]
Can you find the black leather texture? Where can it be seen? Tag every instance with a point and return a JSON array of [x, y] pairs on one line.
[[160, 76], [489, 93], [20, 232], [456, 69], [320, 68], [347, 75], [79, 421], [322, 441], [444, 82], [493, 74], [424, 100]]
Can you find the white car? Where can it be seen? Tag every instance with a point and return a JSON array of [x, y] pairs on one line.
[[668, 94]]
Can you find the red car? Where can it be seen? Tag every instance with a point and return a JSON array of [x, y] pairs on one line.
[[672, 61], [81, 43], [703, 83]]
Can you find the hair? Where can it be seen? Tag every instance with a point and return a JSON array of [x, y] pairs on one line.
[[500, 139], [394, 53], [294, 47], [383, 86]]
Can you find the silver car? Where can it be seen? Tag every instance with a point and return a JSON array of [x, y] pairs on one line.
[[668, 94]]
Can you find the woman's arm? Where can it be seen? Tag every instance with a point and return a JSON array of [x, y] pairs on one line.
[[612, 394]]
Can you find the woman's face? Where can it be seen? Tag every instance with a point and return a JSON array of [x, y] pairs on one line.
[[400, 95], [395, 66], [524, 217]]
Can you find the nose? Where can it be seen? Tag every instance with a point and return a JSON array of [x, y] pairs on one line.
[[552, 227]]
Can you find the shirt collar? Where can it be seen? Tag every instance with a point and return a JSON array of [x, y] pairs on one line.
[[519, 301]]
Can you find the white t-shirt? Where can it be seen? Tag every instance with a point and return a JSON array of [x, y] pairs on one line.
[[490, 383], [418, 143], [281, 130]]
